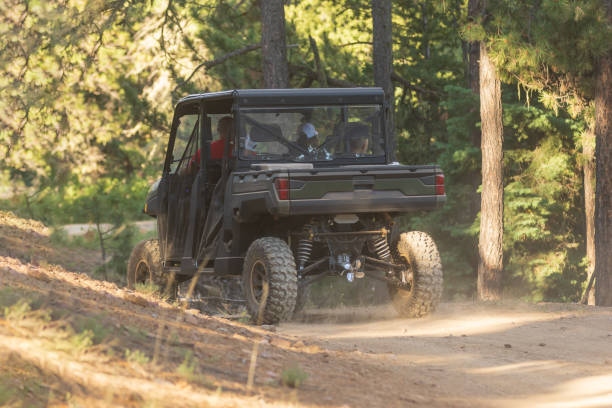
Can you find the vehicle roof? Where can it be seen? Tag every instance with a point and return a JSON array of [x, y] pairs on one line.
[[291, 97]]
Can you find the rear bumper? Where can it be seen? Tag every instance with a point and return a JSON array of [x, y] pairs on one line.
[[365, 201]]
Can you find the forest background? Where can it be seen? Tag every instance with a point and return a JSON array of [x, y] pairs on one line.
[[88, 87]]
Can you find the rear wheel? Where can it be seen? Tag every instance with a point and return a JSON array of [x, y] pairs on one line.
[[422, 276], [145, 267], [269, 263]]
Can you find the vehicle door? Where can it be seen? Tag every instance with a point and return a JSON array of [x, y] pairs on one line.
[[182, 168]]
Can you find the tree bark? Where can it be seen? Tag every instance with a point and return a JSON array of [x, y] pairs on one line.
[[473, 56], [492, 202], [474, 10], [588, 153], [273, 44], [383, 63], [603, 176]]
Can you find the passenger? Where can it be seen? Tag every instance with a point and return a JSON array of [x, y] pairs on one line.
[[217, 148], [359, 145], [249, 147], [308, 137], [225, 130], [358, 138]]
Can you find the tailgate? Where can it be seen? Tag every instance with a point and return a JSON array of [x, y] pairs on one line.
[[387, 188]]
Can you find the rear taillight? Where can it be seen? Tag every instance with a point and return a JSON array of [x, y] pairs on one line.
[[282, 188], [439, 184]]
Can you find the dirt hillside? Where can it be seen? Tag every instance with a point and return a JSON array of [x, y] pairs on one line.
[[69, 339]]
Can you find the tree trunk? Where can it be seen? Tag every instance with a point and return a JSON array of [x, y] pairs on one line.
[[473, 55], [473, 48], [383, 63], [603, 177], [492, 203], [273, 44], [588, 153]]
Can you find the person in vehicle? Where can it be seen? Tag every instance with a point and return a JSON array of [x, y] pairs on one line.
[[224, 129], [249, 147], [358, 138], [308, 137]]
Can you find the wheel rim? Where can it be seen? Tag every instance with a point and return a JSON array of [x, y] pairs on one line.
[[259, 275], [406, 274], [142, 272]]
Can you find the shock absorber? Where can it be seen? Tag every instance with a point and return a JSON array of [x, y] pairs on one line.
[[381, 247], [304, 249]]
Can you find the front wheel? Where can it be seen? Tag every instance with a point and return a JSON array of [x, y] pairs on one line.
[[269, 267], [145, 268], [422, 275]]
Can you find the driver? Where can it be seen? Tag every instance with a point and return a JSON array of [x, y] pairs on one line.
[[308, 137]]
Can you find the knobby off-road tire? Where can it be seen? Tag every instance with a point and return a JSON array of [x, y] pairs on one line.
[[270, 259], [145, 267], [419, 252]]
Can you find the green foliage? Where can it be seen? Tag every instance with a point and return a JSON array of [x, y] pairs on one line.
[[549, 46], [88, 88], [188, 367], [293, 376], [136, 356], [148, 288], [189, 370], [99, 332]]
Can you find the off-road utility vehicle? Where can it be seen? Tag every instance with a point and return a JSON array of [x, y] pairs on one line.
[[295, 185]]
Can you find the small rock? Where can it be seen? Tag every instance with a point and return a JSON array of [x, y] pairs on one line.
[[311, 349], [191, 319], [239, 337], [279, 342], [464, 335], [508, 345], [608, 362], [269, 327], [39, 275], [298, 344], [542, 344], [136, 299], [154, 315]]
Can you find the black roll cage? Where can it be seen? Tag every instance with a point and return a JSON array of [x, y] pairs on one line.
[[230, 103]]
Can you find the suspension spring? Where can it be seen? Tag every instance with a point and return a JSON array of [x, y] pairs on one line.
[[381, 247], [304, 249]]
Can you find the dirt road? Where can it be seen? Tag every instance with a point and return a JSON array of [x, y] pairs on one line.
[[470, 354], [69, 338]]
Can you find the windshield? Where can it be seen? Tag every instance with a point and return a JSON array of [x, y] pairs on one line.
[[307, 134]]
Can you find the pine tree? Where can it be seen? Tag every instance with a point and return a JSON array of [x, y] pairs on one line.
[[383, 62], [490, 246], [274, 44], [603, 193]]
